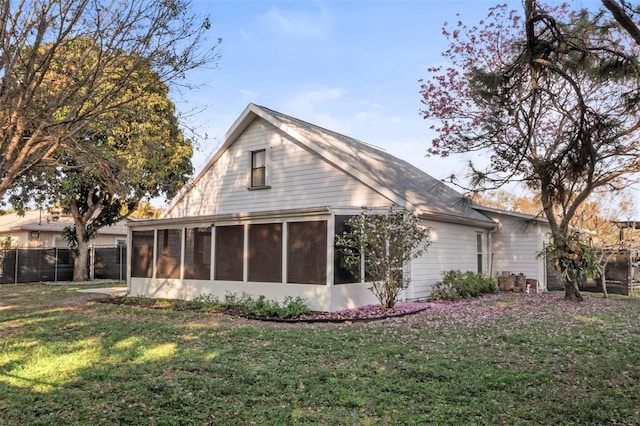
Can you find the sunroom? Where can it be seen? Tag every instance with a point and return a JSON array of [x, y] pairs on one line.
[[278, 254]]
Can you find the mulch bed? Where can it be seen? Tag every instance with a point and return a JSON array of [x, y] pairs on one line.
[[360, 314]]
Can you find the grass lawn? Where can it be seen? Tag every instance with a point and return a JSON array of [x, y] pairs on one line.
[[529, 359]]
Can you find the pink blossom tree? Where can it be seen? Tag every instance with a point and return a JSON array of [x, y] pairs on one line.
[[552, 100]]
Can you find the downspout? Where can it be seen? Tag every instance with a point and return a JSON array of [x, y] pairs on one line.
[[496, 228]]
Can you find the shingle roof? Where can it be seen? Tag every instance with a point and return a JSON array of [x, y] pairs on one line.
[[35, 220], [396, 179], [429, 195]]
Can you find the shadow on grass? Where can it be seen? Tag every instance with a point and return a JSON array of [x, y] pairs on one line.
[[114, 364]]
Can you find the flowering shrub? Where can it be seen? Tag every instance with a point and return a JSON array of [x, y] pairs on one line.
[[384, 243], [461, 285], [573, 258]]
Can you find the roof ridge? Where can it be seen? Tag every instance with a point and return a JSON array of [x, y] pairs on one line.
[[333, 132]]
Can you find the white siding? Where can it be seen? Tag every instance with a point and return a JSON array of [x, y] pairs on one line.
[[298, 179], [452, 247], [516, 245]]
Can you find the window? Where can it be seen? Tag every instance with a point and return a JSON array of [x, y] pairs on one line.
[[59, 242], [307, 252], [259, 168], [479, 251], [265, 253], [342, 275], [229, 253], [169, 251], [142, 254], [197, 254]]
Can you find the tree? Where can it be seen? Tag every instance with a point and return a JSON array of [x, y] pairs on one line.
[[574, 258], [505, 200], [58, 63], [383, 244], [624, 13], [146, 210], [597, 215], [141, 155], [551, 98]]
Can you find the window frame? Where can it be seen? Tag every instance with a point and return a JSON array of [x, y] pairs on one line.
[[168, 249], [253, 169], [229, 249], [142, 253], [479, 252], [197, 253], [306, 246], [341, 274], [265, 256]]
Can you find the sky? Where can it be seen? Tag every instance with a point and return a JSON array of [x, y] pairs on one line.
[[350, 66]]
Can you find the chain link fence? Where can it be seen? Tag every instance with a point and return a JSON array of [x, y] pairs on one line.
[[621, 272]]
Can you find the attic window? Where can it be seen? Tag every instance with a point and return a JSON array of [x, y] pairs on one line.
[[258, 178]]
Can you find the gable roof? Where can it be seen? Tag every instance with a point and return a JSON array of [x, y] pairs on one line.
[[396, 179]]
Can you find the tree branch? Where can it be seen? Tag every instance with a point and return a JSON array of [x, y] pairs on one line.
[[623, 19]]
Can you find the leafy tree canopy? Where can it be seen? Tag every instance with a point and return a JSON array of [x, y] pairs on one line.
[[550, 97], [131, 154], [68, 65]]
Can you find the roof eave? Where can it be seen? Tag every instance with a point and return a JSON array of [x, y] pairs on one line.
[[228, 217], [460, 220]]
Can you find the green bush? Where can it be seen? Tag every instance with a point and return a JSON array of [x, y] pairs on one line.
[[202, 302], [263, 308], [462, 285], [233, 300], [241, 304]]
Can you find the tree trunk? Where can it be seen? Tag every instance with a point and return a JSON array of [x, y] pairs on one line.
[[572, 292], [80, 266], [604, 281]]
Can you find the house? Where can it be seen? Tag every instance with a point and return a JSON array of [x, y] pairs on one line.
[[42, 229], [261, 218], [515, 243]]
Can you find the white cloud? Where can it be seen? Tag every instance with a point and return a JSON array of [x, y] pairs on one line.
[[396, 120], [246, 93], [311, 23], [366, 116], [311, 103], [312, 97]]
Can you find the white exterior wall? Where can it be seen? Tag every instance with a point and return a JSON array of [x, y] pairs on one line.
[[318, 297], [516, 245], [452, 247], [298, 179]]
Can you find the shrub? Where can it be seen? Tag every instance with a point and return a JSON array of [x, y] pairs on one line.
[[385, 243], [263, 308], [461, 285], [233, 300], [242, 304], [202, 302]]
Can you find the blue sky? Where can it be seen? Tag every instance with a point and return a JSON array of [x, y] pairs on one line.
[[350, 66]]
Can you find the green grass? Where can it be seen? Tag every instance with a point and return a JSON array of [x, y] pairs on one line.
[[499, 360]]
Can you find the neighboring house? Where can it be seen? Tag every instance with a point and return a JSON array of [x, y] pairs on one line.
[[262, 215], [42, 229]]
